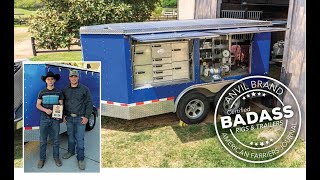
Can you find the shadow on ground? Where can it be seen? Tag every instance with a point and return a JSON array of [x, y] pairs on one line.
[[186, 134]]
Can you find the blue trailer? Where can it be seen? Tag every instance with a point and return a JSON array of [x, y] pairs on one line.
[[33, 84], [151, 68]]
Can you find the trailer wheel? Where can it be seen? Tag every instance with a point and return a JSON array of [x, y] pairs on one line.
[[224, 106], [193, 108], [92, 121]]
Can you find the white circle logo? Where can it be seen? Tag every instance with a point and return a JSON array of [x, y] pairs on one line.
[[255, 133]]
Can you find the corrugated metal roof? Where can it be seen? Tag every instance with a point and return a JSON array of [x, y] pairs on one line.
[[171, 26], [172, 36], [246, 30]]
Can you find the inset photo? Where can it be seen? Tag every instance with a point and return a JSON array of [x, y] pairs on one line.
[[61, 116]]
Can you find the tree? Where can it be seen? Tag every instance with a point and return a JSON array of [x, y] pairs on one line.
[[57, 24], [169, 3], [157, 12]]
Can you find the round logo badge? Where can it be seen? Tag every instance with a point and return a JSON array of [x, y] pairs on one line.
[[253, 132]]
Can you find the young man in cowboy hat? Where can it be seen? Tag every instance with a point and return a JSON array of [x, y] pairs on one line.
[[49, 126], [77, 110]]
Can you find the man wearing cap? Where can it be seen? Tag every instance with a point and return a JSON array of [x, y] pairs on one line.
[[49, 126], [77, 109]]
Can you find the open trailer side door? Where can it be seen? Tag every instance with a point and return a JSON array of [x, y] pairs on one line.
[[259, 46]]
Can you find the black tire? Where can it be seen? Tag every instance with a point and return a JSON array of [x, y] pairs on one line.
[[92, 121], [221, 109], [196, 100]]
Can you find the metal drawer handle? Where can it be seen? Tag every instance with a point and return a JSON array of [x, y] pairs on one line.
[[158, 72], [139, 52], [157, 78], [140, 72], [177, 68], [176, 49], [157, 59], [156, 46], [157, 65]]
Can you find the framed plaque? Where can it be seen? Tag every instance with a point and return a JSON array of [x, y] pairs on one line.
[[57, 111]]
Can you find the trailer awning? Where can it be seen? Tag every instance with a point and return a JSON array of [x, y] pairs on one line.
[[246, 30], [171, 26], [172, 36]]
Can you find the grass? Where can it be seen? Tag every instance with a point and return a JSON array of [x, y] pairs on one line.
[[20, 26], [18, 146], [59, 56], [22, 18], [23, 11], [159, 142]]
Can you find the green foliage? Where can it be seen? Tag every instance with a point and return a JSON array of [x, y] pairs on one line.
[[157, 11], [49, 30], [22, 15], [20, 20], [57, 24], [28, 4], [169, 3]]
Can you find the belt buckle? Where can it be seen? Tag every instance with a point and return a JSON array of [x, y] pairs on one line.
[[73, 115]]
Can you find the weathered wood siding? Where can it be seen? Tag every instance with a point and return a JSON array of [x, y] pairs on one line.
[[205, 9], [198, 9], [293, 72], [185, 9]]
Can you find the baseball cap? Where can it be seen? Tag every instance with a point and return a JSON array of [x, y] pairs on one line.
[[73, 73]]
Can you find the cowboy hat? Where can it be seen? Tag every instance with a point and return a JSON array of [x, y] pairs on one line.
[[50, 74]]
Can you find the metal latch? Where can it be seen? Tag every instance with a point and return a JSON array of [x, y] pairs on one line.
[[157, 78], [140, 72]]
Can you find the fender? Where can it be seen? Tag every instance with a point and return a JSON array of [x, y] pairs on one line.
[[206, 89]]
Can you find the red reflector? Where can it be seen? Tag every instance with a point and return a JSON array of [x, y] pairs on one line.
[[139, 103], [170, 98]]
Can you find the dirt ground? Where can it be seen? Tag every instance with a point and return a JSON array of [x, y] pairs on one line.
[[22, 43]]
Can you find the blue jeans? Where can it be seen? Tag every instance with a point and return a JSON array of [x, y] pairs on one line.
[[49, 127], [76, 132]]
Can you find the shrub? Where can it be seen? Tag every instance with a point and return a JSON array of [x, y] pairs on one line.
[[57, 24], [169, 3]]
